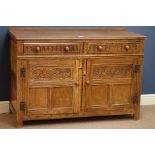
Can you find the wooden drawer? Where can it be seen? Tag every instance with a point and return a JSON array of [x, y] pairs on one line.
[[115, 46], [52, 48]]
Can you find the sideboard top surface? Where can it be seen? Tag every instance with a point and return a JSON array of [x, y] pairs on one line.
[[72, 33]]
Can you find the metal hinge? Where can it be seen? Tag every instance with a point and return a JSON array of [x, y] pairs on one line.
[[137, 68], [22, 72], [23, 105], [135, 99]]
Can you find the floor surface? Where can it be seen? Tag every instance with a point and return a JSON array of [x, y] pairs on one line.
[[147, 121]]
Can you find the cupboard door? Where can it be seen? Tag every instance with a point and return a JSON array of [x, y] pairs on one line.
[[52, 86], [109, 84]]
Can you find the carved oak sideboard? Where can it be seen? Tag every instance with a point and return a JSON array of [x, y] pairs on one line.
[[66, 73]]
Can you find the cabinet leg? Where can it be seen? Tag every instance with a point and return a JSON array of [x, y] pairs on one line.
[[136, 116], [10, 111], [19, 124], [19, 121]]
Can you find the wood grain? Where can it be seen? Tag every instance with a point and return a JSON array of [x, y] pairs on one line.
[[75, 73], [71, 33]]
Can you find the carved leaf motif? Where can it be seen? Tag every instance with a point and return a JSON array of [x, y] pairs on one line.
[[50, 73], [101, 71]]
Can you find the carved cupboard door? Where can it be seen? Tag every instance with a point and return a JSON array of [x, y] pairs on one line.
[[109, 84], [52, 86]]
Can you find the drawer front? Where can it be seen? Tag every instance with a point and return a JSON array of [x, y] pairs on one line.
[[115, 46], [52, 48]]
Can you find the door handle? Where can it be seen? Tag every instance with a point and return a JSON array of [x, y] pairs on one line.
[[76, 83], [87, 82], [80, 67]]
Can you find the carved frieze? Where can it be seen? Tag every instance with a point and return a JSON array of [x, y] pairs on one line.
[[52, 49], [50, 73], [115, 46], [111, 71]]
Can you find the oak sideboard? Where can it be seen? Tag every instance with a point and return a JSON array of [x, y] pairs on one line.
[[75, 72]]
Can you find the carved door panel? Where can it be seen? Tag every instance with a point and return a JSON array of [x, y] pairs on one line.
[[109, 84], [52, 86]]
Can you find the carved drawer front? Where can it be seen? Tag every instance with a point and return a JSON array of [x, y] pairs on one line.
[[52, 48], [115, 46]]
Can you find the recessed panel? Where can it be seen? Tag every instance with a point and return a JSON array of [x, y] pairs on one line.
[[99, 95], [121, 94], [62, 97], [38, 99]]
